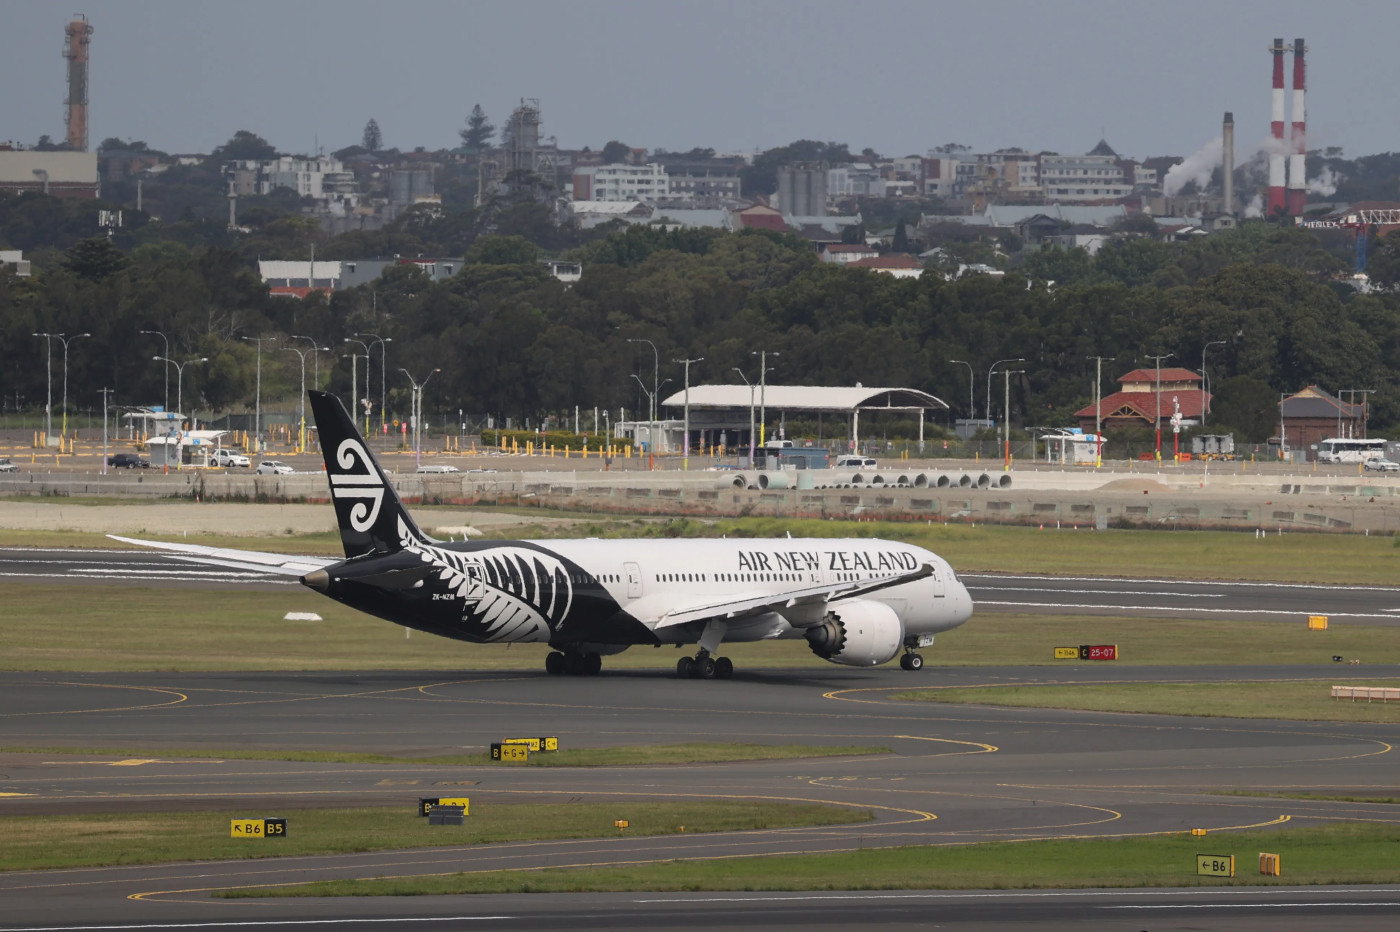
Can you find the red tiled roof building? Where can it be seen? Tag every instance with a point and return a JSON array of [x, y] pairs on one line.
[[1139, 401]]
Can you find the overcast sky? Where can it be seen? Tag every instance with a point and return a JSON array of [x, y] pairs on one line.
[[898, 77]]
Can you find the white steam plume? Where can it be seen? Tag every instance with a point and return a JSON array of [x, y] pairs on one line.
[[1255, 208], [1197, 167], [1325, 183]]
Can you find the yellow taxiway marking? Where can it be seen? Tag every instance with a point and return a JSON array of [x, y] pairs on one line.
[[16, 794], [179, 698]]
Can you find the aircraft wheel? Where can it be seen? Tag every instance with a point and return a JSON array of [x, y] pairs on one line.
[[574, 664], [912, 662], [592, 663], [685, 667], [554, 663], [724, 668], [705, 668]]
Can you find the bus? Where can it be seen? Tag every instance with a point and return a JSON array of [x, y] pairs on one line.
[[1349, 449]]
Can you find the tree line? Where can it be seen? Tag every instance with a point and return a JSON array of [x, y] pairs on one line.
[[511, 341]]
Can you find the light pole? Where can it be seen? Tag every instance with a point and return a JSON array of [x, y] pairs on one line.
[[257, 397], [1006, 410], [315, 360], [1158, 393], [383, 374], [685, 441], [418, 413], [106, 403], [971, 381], [751, 434], [354, 385], [1098, 408], [762, 394], [48, 405], [180, 379], [989, 382], [76, 336], [301, 404], [1204, 380], [655, 387], [161, 334]]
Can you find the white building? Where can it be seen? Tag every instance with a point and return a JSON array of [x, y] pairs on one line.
[[324, 180], [648, 183], [1097, 176], [858, 179]]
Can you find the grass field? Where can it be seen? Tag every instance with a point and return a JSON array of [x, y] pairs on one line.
[[90, 628], [1347, 853], [1301, 700], [1297, 557], [92, 840]]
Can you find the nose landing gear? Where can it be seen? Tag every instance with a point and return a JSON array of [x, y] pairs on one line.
[[911, 661], [572, 663]]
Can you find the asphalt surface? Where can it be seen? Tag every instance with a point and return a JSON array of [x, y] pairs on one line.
[[956, 775]]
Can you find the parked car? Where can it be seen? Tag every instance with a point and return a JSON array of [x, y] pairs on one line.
[[6, 465], [128, 461], [437, 468], [229, 458], [855, 462], [274, 468], [1381, 464]]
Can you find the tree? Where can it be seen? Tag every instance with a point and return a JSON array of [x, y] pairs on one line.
[[477, 135], [244, 145], [901, 237], [372, 139], [615, 152], [95, 259]]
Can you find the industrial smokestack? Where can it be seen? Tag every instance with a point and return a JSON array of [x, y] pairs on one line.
[[1277, 200], [1227, 167], [1297, 162], [77, 35]]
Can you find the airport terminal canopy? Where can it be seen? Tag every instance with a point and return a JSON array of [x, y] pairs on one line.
[[713, 406]]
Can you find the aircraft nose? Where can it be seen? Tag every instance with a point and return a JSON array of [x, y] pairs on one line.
[[319, 580]]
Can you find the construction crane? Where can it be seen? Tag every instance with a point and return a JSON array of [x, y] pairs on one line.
[[1360, 223]]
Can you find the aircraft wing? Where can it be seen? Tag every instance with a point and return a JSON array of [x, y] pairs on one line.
[[281, 564], [742, 606]]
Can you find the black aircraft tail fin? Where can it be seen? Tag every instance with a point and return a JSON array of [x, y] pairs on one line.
[[372, 518]]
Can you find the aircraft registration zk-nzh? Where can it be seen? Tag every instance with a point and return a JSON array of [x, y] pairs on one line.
[[856, 602]]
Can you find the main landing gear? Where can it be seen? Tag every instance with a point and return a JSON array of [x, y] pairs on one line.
[[911, 661], [704, 667], [572, 663]]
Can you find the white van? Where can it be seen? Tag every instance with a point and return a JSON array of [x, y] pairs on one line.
[[854, 462]]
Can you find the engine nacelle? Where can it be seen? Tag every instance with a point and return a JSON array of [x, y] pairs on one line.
[[859, 633]]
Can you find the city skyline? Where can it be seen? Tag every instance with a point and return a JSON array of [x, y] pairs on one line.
[[897, 77]]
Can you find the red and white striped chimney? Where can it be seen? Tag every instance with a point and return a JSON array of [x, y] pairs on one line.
[[1297, 162], [1277, 200]]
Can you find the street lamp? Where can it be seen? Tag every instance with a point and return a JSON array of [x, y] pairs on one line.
[[1204, 379], [1098, 407], [301, 404], [989, 382], [971, 381], [685, 441], [656, 387], [751, 434], [158, 333], [418, 413], [1158, 360], [763, 371], [48, 407], [1006, 410], [257, 398], [76, 336], [383, 374], [180, 378], [354, 385], [315, 360]]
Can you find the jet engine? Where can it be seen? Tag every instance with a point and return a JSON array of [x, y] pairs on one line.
[[859, 633]]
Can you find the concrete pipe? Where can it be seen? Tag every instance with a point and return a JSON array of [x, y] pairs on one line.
[[739, 482], [944, 481], [965, 481], [921, 481], [858, 479], [1004, 481], [903, 481], [984, 481], [773, 480], [877, 480]]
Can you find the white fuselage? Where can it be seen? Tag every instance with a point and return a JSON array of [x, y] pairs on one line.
[[648, 578]]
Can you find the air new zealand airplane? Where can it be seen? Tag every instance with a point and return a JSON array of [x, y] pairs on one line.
[[856, 602]]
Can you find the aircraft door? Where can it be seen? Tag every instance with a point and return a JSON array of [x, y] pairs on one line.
[[634, 580], [940, 588]]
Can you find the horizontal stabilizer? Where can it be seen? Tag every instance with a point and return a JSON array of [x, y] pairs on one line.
[[282, 564]]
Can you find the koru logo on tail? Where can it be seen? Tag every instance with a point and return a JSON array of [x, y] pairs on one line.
[[357, 479]]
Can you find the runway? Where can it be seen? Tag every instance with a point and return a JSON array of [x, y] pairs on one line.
[[955, 775], [992, 592]]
